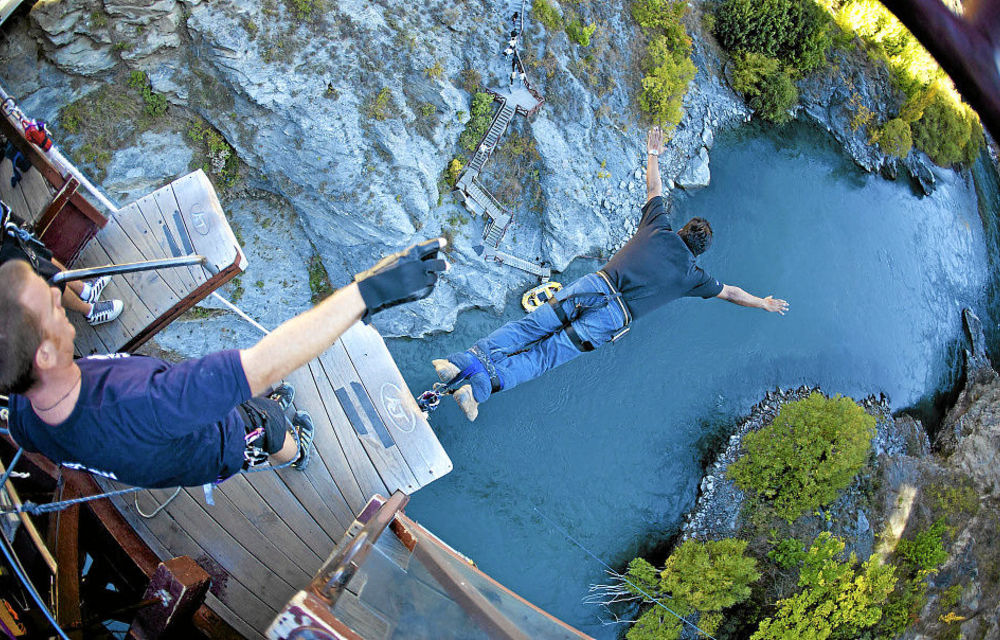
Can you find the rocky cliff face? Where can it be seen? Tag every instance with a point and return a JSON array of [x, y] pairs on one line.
[[345, 114]]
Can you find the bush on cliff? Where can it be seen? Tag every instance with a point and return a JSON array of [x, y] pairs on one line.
[[797, 32], [702, 577], [811, 451], [768, 88], [837, 600], [948, 132], [668, 67], [480, 117], [895, 138]]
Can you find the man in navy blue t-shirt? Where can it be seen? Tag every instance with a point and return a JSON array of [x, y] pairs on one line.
[[150, 423], [656, 266]]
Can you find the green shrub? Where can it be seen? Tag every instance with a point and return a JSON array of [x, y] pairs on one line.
[[454, 171], [548, 15], [768, 88], [154, 104], [435, 72], [836, 599], [381, 105], [797, 32], [895, 138], [948, 132], [811, 451], [702, 577], [579, 33], [788, 553], [668, 67], [220, 160], [480, 117], [925, 552]]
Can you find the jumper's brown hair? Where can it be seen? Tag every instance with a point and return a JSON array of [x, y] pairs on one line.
[[20, 334], [697, 235]]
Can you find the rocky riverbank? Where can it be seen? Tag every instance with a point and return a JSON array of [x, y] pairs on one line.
[[343, 117], [908, 484]]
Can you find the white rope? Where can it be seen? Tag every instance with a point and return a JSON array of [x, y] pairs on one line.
[[232, 307], [135, 501]]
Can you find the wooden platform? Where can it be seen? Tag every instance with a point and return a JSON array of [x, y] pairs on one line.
[[269, 532], [182, 218]]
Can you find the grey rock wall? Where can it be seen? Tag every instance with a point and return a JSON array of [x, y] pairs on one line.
[[293, 97]]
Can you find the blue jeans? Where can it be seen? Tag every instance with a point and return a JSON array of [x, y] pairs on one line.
[[522, 350]]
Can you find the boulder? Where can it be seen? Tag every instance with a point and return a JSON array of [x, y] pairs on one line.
[[696, 175]]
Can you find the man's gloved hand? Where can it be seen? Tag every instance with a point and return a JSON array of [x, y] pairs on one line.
[[401, 277]]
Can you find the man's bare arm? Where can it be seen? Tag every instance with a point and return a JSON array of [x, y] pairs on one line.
[[654, 147], [301, 339], [402, 277], [738, 296]]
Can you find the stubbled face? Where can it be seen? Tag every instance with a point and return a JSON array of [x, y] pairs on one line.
[[46, 303]]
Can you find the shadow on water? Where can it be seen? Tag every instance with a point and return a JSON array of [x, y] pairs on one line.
[[612, 445]]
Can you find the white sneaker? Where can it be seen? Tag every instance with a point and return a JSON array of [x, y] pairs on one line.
[[104, 311], [92, 289]]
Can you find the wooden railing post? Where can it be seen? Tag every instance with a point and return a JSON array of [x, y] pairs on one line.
[[180, 585]]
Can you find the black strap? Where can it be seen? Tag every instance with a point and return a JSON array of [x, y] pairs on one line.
[[567, 323]]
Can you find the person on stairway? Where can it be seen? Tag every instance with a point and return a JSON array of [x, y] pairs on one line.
[[18, 243], [656, 266], [149, 423]]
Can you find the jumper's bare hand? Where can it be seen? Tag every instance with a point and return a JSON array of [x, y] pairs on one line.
[[775, 305], [654, 141]]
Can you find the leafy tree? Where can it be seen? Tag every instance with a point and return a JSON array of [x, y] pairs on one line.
[[546, 14], [812, 450], [702, 577], [948, 132], [794, 31], [579, 33], [925, 552], [668, 65], [767, 86], [837, 600], [480, 117], [895, 138]]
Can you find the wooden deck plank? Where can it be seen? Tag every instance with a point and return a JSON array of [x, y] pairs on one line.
[[309, 497], [362, 469], [134, 317], [395, 404], [205, 220], [37, 194], [231, 517], [238, 623], [326, 441], [289, 510], [133, 223], [218, 543], [169, 225], [12, 195], [168, 539], [86, 342], [388, 461], [151, 216], [149, 286]]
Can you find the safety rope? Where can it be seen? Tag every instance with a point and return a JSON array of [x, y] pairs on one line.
[[624, 578]]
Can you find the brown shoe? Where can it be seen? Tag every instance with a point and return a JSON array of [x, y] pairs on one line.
[[466, 402], [445, 369]]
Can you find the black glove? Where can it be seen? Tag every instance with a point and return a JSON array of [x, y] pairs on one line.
[[401, 277]]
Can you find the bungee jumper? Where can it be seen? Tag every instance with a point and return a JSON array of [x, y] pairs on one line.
[[149, 423], [656, 266]]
